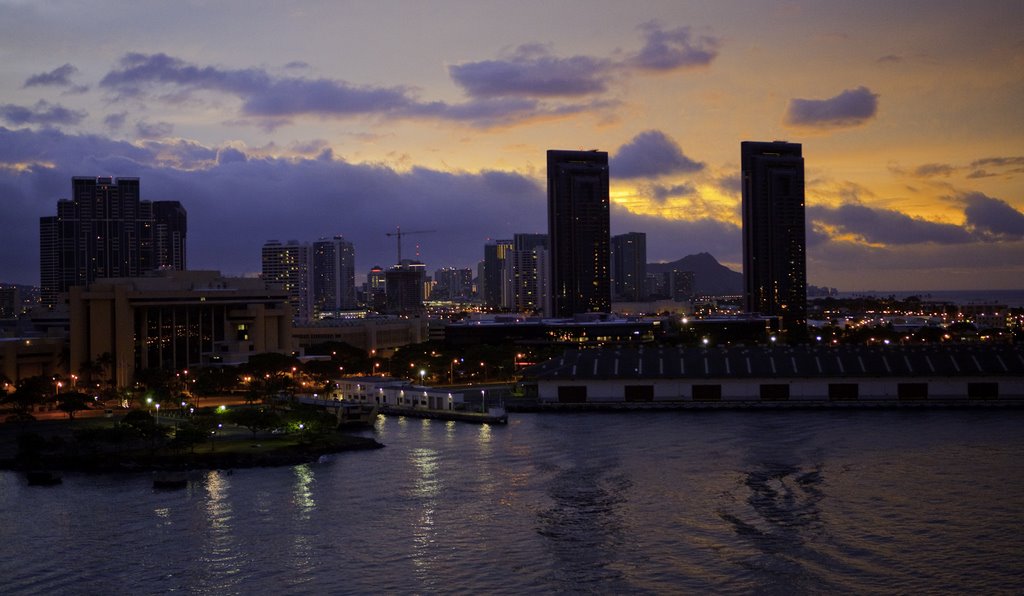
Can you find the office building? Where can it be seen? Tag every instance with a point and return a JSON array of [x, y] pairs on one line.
[[286, 267], [105, 230], [494, 277], [774, 238], [453, 283], [629, 266], [578, 230], [175, 320], [404, 288], [528, 273], [333, 274]]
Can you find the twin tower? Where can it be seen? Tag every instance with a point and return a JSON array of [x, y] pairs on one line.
[[774, 236]]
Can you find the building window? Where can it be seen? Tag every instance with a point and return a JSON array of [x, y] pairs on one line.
[[983, 390], [774, 392], [912, 390], [572, 394], [707, 393], [843, 391], [639, 393]]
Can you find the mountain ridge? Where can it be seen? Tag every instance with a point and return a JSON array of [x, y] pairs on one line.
[[709, 276]]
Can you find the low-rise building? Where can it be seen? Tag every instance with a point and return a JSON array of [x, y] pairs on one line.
[[796, 374], [175, 320]]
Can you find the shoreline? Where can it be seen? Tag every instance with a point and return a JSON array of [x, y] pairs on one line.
[[68, 455]]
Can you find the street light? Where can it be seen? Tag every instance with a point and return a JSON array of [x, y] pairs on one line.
[[423, 373]]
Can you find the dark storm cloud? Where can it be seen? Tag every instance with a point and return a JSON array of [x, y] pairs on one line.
[[993, 217], [42, 112], [671, 49], [886, 226], [236, 202], [650, 154], [532, 71], [59, 77], [852, 107]]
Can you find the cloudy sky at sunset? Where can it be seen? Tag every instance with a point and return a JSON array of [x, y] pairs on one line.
[[274, 120]]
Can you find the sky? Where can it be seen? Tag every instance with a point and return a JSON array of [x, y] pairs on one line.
[[300, 120]]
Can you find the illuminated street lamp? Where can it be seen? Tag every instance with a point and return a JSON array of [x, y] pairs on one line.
[[423, 373]]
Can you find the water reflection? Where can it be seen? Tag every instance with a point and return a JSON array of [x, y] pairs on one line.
[[220, 552]]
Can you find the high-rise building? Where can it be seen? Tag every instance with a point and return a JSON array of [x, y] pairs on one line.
[[774, 237], [286, 267], [169, 227], [106, 231], [495, 253], [528, 289], [375, 289], [333, 274], [452, 283], [404, 288], [578, 230], [629, 266]]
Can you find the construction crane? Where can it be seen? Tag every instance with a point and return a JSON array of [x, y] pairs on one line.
[[398, 233]]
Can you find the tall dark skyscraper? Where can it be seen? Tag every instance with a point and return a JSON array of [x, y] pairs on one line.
[[334, 275], [774, 238], [578, 232], [104, 230], [629, 266]]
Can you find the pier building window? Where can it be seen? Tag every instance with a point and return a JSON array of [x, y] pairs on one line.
[[639, 392], [774, 392], [843, 391], [707, 393], [983, 390], [912, 390], [572, 394]]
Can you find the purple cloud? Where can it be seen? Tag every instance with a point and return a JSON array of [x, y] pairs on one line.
[[929, 170], [274, 100], [992, 217], [43, 113], [532, 71], [115, 121], [671, 49], [662, 193], [153, 130], [852, 107], [235, 201], [886, 226], [650, 154], [60, 77]]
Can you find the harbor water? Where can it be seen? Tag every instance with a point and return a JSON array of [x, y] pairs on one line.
[[790, 502]]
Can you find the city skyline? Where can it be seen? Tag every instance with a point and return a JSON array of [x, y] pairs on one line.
[[356, 122]]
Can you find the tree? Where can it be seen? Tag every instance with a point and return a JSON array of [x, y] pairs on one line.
[[190, 434], [73, 402], [29, 392], [254, 419]]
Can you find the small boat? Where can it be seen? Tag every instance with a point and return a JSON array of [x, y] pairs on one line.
[[43, 477], [170, 480]]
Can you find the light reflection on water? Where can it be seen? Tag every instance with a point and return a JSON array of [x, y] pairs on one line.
[[732, 502]]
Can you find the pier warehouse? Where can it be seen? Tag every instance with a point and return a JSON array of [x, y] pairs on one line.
[[766, 375]]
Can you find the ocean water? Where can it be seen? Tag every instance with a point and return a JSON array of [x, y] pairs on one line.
[[671, 502], [1010, 298]]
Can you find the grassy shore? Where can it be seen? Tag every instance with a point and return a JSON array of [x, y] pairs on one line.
[[51, 445]]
